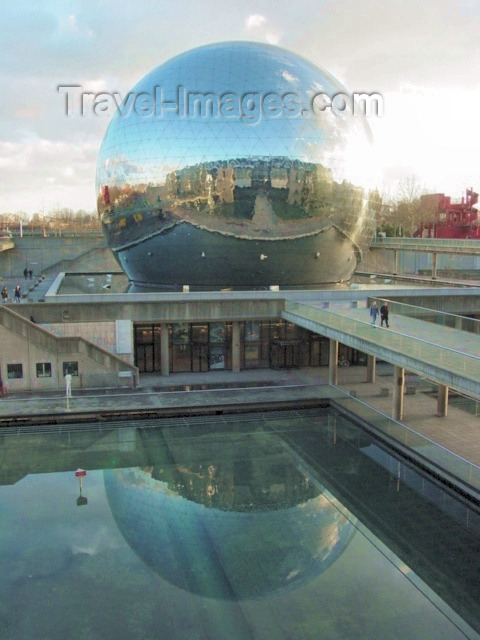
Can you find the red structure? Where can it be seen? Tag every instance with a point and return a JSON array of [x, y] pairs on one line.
[[451, 220]]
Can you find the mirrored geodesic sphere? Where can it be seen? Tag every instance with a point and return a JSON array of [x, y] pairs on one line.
[[226, 167]]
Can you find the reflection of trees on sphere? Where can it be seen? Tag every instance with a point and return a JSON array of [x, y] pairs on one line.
[[178, 186]]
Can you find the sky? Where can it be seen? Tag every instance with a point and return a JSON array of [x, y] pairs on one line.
[[422, 56]]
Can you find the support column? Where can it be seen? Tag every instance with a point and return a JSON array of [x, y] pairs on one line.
[[371, 368], [165, 350], [434, 265], [458, 322], [398, 385], [395, 262], [442, 401], [333, 362], [235, 347]]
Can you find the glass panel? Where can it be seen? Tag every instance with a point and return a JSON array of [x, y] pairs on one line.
[[217, 357], [143, 335], [180, 333], [140, 358], [252, 360], [157, 348], [291, 331], [44, 370], [71, 368], [252, 331], [217, 332], [181, 358], [265, 354], [277, 330], [14, 371], [199, 333], [199, 358], [148, 355]]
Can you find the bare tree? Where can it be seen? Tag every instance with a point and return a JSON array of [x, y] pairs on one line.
[[411, 211]]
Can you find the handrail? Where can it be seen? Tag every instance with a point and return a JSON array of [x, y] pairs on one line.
[[398, 305], [445, 358], [471, 243], [464, 470], [390, 331]]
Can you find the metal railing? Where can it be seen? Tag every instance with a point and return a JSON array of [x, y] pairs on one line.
[[432, 452], [470, 246], [438, 356], [461, 323]]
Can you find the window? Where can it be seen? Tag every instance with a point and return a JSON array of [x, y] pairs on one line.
[[44, 369], [14, 371], [71, 368]]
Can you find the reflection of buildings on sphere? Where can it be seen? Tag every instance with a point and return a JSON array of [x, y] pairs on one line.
[[199, 199], [242, 528]]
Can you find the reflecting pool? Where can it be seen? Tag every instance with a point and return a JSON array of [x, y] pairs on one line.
[[282, 525]]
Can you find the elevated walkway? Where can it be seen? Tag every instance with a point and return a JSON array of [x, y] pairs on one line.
[[429, 245], [446, 356]]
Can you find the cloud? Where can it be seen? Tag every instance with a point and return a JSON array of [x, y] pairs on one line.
[[254, 21], [38, 173], [105, 45]]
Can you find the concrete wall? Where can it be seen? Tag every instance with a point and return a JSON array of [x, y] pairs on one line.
[[26, 343], [103, 334], [39, 254], [17, 350]]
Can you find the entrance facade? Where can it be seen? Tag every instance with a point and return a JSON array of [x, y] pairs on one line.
[[198, 347]]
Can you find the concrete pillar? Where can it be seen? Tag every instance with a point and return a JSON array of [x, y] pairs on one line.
[[458, 322], [398, 385], [434, 265], [442, 401], [165, 350], [371, 367], [395, 262], [235, 347], [333, 362]]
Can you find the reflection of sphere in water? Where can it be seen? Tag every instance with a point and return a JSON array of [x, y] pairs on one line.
[[220, 553], [223, 188]]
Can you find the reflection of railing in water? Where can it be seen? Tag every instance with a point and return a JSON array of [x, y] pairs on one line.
[[443, 462]]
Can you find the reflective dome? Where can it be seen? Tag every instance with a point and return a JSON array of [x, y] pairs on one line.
[[231, 522], [223, 171]]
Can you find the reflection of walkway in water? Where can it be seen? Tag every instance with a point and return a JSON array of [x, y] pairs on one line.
[[264, 217]]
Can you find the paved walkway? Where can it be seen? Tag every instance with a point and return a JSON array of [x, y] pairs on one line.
[[33, 290]]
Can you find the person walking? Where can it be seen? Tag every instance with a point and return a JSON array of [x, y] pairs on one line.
[[374, 312], [18, 293], [30, 273], [384, 315], [25, 273], [4, 294]]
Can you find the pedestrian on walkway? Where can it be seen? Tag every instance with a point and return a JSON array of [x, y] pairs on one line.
[[374, 312], [4, 294], [25, 273], [384, 315], [30, 273], [18, 293]]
